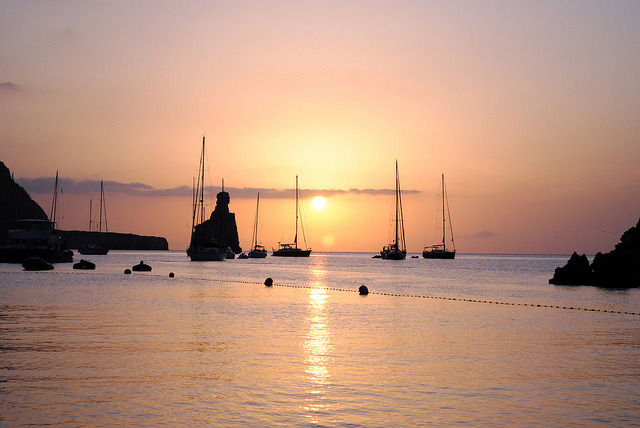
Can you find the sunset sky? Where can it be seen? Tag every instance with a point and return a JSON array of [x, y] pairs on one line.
[[530, 109]]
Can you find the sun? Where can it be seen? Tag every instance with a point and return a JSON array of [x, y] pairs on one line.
[[319, 202]]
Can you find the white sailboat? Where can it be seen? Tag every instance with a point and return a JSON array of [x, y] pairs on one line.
[[396, 250], [292, 250], [441, 251]]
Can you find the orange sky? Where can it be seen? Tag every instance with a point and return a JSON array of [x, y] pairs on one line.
[[529, 109]]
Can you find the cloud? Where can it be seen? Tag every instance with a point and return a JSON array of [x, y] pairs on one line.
[[8, 87], [484, 234], [44, 185]]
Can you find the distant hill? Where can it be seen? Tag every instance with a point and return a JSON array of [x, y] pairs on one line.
[[114, 241], [15, 204]]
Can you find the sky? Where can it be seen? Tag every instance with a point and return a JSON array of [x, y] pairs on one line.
[[530, 109]]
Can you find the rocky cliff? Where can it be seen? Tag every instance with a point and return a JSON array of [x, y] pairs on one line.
[[15, 203], [619, 268]]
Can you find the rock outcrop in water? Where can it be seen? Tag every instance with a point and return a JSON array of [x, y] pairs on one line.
[[221, 226], [619, 268]]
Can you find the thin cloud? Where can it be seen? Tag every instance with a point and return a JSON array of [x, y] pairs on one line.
[[8, 88], [44, 185], [484, 234]]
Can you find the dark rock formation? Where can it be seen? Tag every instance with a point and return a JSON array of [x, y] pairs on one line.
[[15, 203], [619, 268], [576, 272], [221, 226], [113, 241]]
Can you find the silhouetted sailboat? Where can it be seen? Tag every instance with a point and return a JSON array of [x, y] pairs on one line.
[[397, 250], [292, 250], [257, 250], [201, 246], [92, 248], [440, 251]]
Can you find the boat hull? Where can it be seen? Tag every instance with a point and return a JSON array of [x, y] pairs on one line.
[[445, 255], [93, 250], [206, 254], [257, 254], [36, 263], [393, 255], [84, 265], [20, 254], [291, 252]]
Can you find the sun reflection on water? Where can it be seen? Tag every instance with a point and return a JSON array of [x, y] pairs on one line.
[[317, 348]]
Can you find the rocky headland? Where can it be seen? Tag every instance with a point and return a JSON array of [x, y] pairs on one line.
[[619, 268], [114, 241], [16, 204]]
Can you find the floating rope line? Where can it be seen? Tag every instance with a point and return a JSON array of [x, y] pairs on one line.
[[311, 287], [490, 302]]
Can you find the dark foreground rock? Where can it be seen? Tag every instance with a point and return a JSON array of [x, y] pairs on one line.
[[619, 268], [113, 240]]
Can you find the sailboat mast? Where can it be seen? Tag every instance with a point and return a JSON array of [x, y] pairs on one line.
[[90, 219], [444, 191], [201, 187], [397, 206], [295, 240], [443, 217], [54, 202], [100, 224], [254, 240]]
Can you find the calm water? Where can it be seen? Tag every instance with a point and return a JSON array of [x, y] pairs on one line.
[[215, 347]]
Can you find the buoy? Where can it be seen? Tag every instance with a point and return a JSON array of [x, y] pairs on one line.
[[268, 282], [127, 271], [363, 290], [142, 267], [171, 275]]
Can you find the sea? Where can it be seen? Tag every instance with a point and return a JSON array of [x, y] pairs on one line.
[[482, 340]]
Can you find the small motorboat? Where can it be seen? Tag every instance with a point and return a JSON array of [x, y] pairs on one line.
[[84, 264], [141, 267], [36, 263], [243, 256]]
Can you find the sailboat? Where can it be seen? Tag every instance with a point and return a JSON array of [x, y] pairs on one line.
[[440, 251], [397, 250], [202, 247], [93, 248], [257, 250], [36, 238], [292, 250]]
